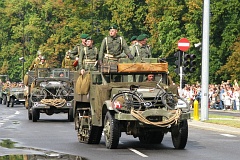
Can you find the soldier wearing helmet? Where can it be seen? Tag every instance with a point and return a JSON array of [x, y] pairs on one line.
[[43, 63], [68, 62], [36, 60]]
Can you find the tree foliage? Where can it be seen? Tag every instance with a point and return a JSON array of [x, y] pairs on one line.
[[54, 26]]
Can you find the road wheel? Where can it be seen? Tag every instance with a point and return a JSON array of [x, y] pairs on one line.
[[11, 102], [179, 134], [87, 133], [35, 115], [4, 100], [29, 113], [111, 131], [8, 103], [151, 137], [70, 115]]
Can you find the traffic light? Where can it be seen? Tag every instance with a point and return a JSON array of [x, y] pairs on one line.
[[178, 61], [192, 63], [189, 63], [186, 63], [183, 83]]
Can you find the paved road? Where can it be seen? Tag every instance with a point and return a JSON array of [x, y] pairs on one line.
[[54, 134]]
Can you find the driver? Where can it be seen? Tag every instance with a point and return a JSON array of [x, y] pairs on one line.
[[150, 78]]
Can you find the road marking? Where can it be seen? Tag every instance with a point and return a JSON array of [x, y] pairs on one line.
[[10, 116], [17, 112], [137, 152], [228, 135]]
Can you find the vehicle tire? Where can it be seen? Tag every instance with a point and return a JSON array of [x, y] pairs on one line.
[[0, 100], [29, 113], [179, 134], [35, 115], [8, 103], [70, 115], [111, 131], [4, 100], [11, 103], [151, 137]]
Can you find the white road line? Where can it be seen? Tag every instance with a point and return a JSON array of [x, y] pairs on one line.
[[228, 135], [10, 116], [17, 112], [137, 152]]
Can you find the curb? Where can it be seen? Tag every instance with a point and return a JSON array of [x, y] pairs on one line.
[[214, 127]]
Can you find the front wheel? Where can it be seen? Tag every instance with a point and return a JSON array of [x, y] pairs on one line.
[[70, 115], [29, 113], [111, 131], [12, 101], [4, 100], [179, 134], [35, 115]]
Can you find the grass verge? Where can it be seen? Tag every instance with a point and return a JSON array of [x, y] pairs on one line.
[[223, 120]]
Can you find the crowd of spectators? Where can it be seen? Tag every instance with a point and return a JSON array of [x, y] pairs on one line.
[[224, 96]]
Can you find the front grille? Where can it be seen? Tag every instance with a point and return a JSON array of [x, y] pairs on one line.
[[20, 96]]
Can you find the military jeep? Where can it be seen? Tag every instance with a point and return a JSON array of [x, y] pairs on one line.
[[119, 99], [15, 96], [50, 92]]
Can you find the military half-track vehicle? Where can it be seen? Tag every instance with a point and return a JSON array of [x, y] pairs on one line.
[[120, 100], [50, 92], [15, 96]]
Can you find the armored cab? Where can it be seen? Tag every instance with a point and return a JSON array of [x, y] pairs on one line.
[[118, 98], [50, 91]]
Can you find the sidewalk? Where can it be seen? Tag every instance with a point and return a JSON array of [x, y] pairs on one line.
[[213, 127]]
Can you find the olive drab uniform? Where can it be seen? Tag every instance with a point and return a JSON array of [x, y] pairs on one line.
[[68, 63], [34, 63], [76, 50], [43, 65], [141, 51], [88, 58], [112, 48]]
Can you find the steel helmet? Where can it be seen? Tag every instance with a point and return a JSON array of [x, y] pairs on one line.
[[39, 53], [43, 57]]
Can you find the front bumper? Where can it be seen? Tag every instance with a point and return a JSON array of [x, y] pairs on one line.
[[40, 105], [152, 112]]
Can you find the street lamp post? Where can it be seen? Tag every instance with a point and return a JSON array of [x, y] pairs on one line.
[[23, 52]]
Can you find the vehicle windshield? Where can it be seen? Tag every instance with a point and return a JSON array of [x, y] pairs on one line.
[[17, 89], [53, 73], [134, 77]]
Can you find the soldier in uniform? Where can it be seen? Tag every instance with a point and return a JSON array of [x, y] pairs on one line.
[[76, 50], [133, 42], [141, 49], [150, 78], [113, 46], [43, 63], [68, 62], [88, 57], [36, 60]]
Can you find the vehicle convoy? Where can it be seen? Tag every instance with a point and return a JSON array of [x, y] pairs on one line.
[[50, 92], [117, 99], [15, 96]]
